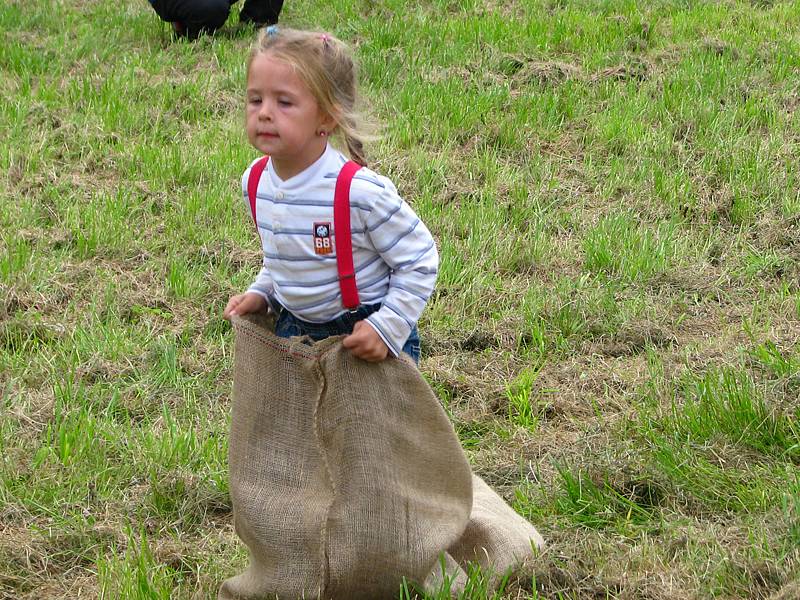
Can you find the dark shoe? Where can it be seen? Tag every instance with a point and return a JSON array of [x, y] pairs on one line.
[[188, 31], [182, 30], [179, 28]]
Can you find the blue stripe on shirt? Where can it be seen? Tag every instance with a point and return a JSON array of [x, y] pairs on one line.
[[316, 257], [331, 297], [259, 288], [387, 217], [359, 176], [398, 312], [417, 258], [328, 281], [365, 285], [425, 271], [325, 203], [396, 241], [383, 335], [397, 286], [297, 307], [308, 231]]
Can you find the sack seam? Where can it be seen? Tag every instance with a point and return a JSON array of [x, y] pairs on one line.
[[324, 558], [249, 329]]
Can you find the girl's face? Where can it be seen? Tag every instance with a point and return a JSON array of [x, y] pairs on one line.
[[283, 119]]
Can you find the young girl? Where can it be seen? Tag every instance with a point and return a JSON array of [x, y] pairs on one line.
[[301, 89]]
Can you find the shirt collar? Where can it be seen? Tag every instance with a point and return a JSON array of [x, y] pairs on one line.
[[329, 161]]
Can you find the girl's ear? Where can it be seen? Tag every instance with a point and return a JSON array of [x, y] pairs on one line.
[[328, 123]]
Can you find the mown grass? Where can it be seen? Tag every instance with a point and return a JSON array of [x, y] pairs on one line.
[[615, 193]]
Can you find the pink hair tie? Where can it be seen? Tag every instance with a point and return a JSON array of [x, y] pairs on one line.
[[325, 39]]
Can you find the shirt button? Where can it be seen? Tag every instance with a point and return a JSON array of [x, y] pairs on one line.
[[279, 195]]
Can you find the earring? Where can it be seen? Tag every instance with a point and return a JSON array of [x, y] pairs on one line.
[[322, 134]]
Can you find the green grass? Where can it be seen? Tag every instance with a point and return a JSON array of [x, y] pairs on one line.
[[614, 190]]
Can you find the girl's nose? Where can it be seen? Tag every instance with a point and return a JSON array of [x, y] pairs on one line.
[[265, 113]]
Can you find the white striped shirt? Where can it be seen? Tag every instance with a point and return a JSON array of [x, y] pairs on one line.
[[394, 254]]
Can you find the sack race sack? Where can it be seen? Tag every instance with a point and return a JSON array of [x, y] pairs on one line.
[[347, 476], [495, 538]]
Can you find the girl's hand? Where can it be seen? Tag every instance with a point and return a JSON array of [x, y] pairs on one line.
[[365, 343], [243, 304]]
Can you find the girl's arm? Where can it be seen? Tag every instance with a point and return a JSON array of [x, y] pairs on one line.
[[365, 343], [263, 285], [243, 304], [256, 297], [407, 246]]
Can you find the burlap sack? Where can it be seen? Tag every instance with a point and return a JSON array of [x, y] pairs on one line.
[[496, 539], [347, 476]]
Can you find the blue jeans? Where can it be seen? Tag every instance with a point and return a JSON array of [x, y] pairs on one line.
[[288, 325]]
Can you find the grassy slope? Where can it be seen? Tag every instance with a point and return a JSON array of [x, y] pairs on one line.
[[614, 188]]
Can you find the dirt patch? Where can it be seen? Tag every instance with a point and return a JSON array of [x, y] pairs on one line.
[[718, 47], [567, 568], [32, 558], [633, 338], [185, 500], [633, 69], [20, 334], [469, 381], [580, 388], [526, 72]]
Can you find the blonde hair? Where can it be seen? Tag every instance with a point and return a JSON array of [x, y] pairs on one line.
[[325, 64]]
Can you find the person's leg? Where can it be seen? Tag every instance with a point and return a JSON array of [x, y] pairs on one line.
[[261, 12], [193, 17], [287, 325]]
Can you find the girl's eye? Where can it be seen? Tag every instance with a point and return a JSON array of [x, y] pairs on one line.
[[254, 100], [284, 103]]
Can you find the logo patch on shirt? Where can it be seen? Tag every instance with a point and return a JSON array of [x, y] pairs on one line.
[[322, 238]]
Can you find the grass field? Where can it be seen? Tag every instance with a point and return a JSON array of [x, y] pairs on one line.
[[615, 191]]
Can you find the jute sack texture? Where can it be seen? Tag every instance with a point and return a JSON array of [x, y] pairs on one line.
[[347, 476]]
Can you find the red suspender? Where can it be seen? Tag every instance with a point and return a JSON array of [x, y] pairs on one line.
[[342, 237], [252, 184], [341, 225]]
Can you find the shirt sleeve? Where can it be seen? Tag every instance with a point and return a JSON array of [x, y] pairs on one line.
[[262, 285], [407, 246]]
